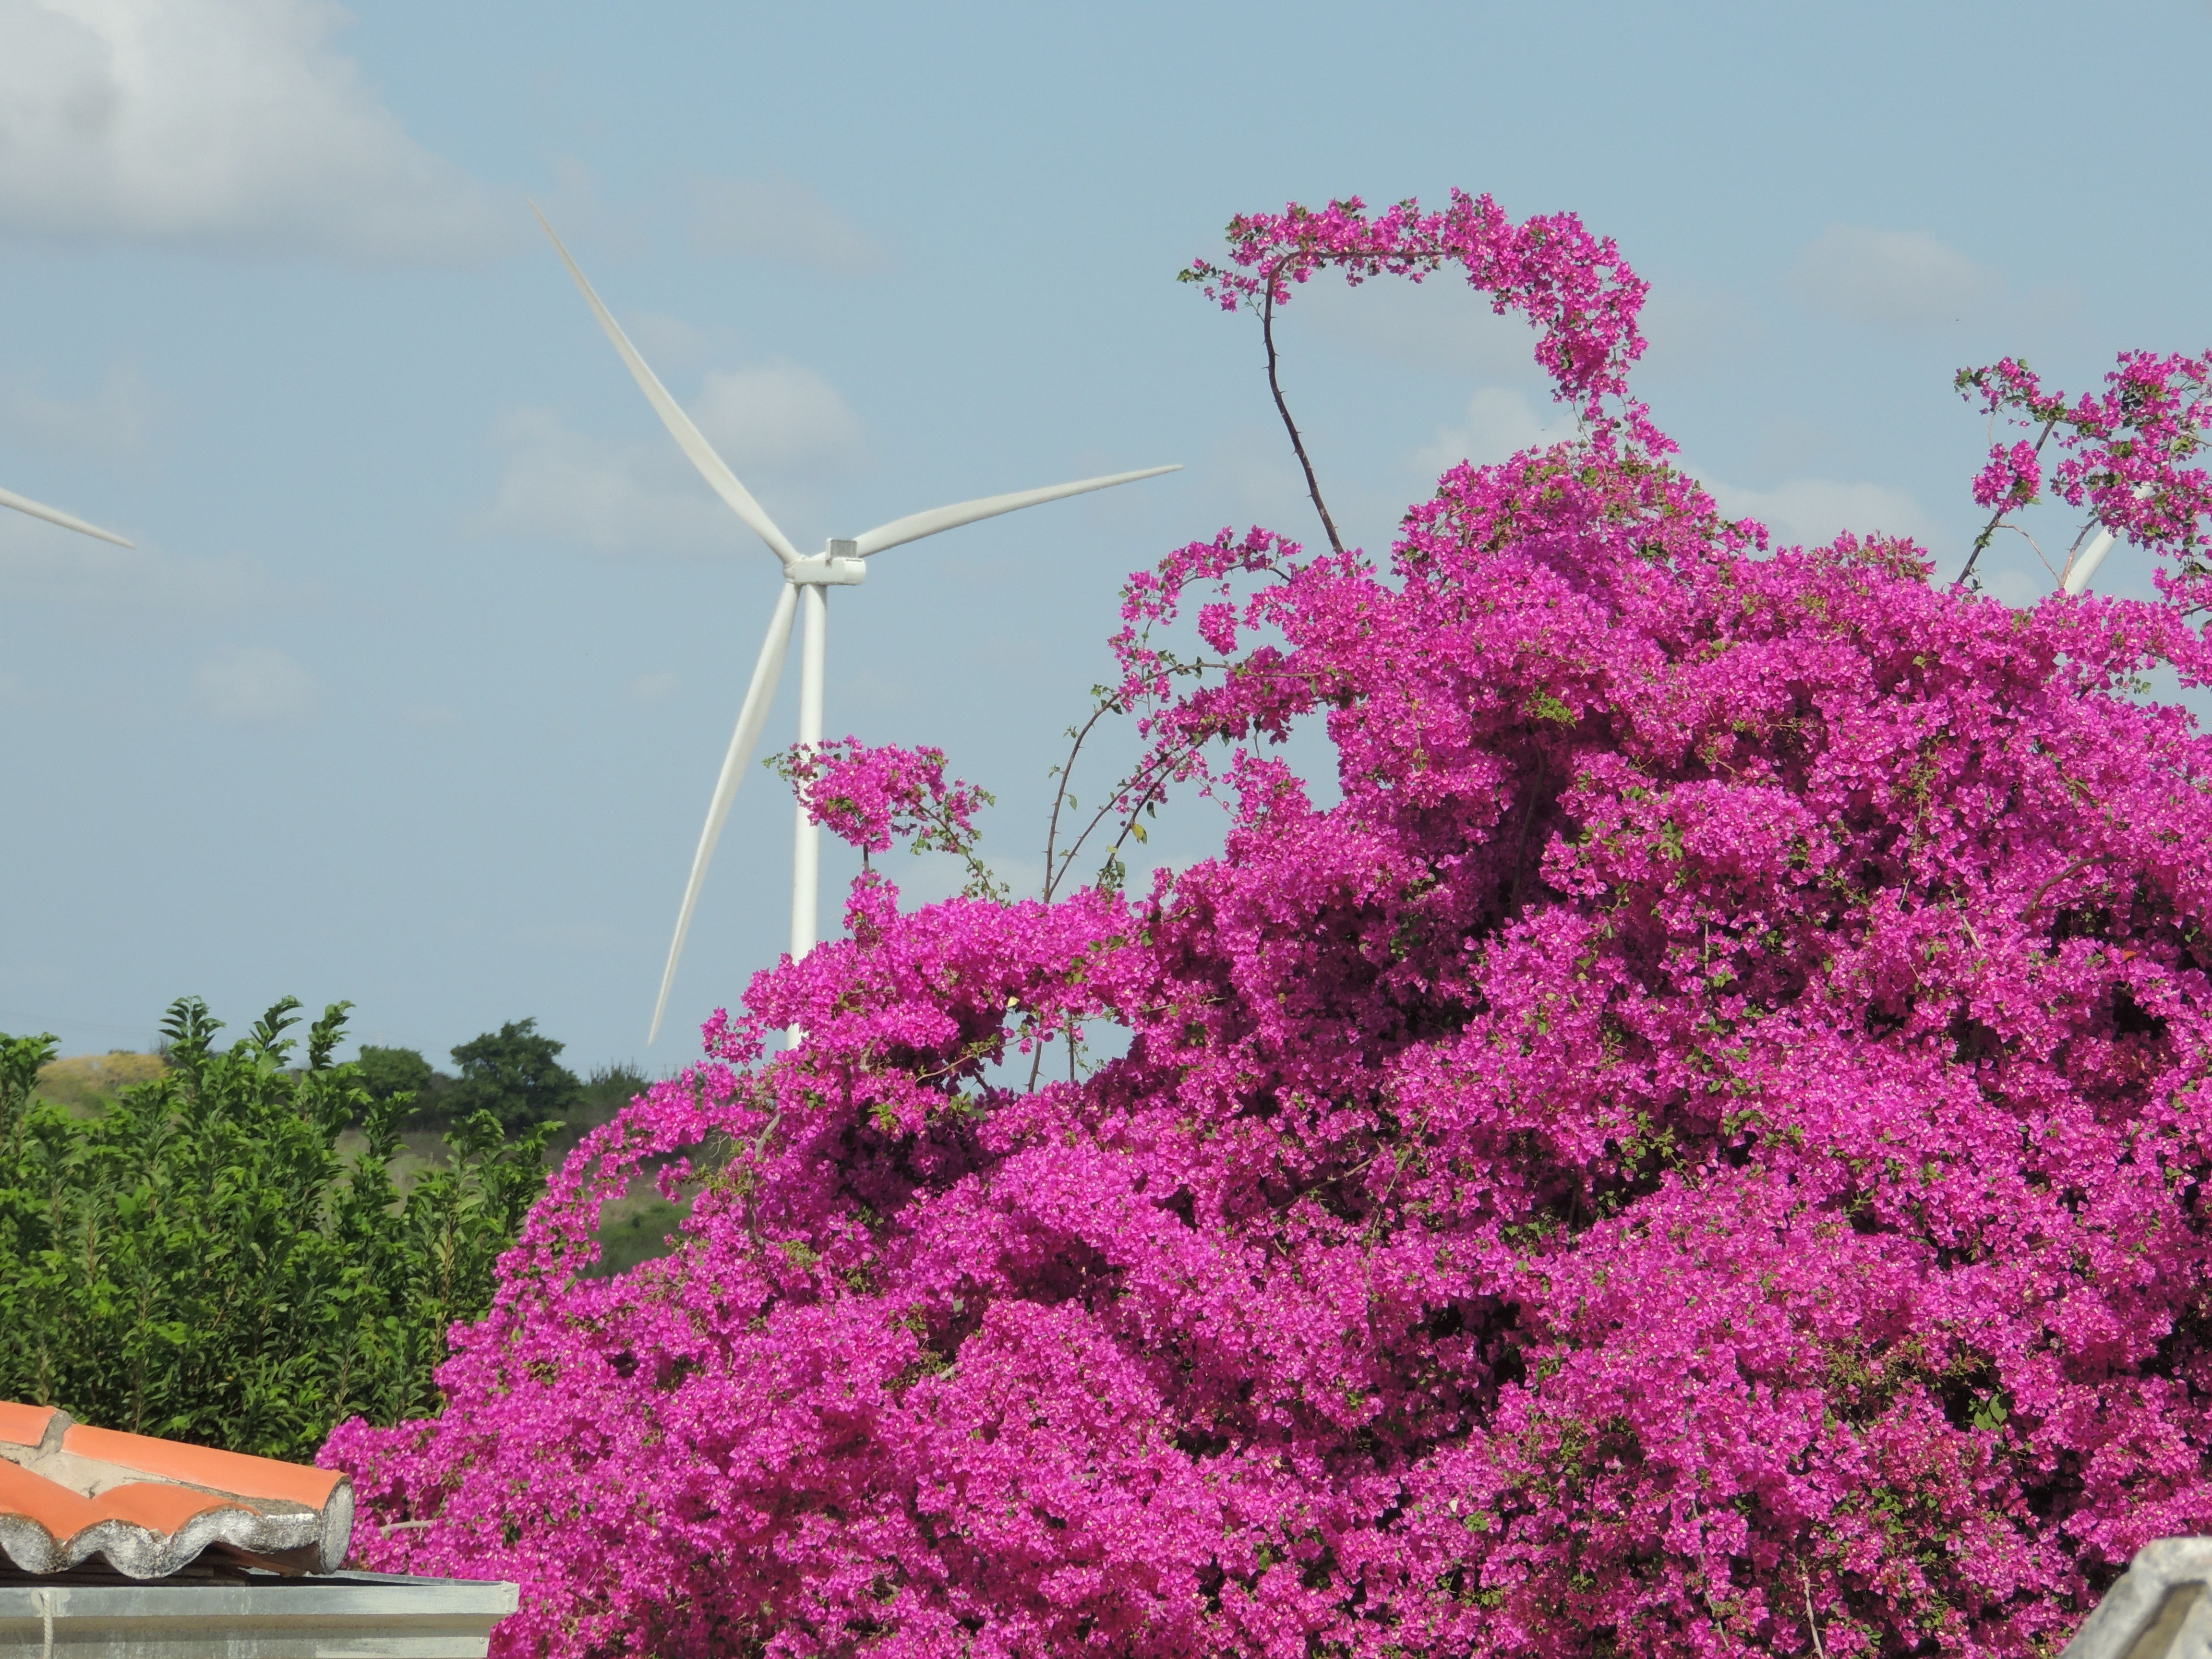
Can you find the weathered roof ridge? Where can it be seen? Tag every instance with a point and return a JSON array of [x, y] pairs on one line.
[[150, 1506]]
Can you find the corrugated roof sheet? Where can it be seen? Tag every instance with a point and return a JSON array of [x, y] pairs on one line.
[[69, 1492]]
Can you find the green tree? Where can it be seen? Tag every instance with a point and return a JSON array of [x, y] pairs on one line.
[[388, 1072], [515, 1074], [199, 1259]]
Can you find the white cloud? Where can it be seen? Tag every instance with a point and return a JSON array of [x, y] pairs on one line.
[[2019, 587], [110, 420], [652, 687], [780, 219], [1692, 331], [225, 123], [778, 418], [41, 561], [255, 685], [1812, 511], [783, 428], [1894, 279], [670, 345], [1500, 423], [613, 496]]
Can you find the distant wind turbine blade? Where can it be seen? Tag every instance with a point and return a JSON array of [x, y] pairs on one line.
[[55, 515], [915, 526], [2083, 565], [688, 437], [2087, 560], [768, 669]]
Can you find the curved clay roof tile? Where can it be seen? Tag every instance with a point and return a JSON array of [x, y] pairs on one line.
[[150, 1506]]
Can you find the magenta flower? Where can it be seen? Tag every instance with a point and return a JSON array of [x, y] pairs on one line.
[[2012, 478]]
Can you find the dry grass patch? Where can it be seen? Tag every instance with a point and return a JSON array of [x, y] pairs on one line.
[[82, 1081]]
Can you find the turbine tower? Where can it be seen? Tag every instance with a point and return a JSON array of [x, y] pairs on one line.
[[807, 583], [55, 515]]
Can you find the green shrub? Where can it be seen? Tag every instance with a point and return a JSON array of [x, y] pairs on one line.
[[199, 1259]]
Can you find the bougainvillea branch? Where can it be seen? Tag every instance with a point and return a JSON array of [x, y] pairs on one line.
[[1282, 408], [870, 795], [2126, 454]]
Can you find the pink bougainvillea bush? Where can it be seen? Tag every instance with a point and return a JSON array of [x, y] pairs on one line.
[[1702, 1148]]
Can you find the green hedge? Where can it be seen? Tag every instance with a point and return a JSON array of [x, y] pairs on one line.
[[201, 1260]]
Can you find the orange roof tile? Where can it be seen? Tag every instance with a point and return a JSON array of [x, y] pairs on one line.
[[205, 1467], [24, 1424], [68, 1491]]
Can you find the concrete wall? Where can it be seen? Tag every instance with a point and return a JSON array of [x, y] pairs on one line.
[[258, 1617]]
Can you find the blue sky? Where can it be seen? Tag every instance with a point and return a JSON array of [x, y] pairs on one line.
[[415, 687]]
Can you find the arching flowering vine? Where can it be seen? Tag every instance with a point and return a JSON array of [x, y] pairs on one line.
[[1573, 287], [1702, 1148]]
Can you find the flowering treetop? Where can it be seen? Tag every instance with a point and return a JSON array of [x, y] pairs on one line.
[[1702, 1149]]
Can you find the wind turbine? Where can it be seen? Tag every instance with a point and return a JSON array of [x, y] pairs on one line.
[[55, 515], [806, 582]]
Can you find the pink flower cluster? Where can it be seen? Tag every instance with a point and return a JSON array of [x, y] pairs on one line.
[[1574, 287], [2127, 454], [1703, 1149], [870, 794], [2012, 478]]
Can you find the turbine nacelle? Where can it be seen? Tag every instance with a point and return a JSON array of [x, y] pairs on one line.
[[836, 566]]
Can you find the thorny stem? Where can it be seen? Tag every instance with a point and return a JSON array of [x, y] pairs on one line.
[[1107, 705], [1166, 762], [1110, 704], [1152, 794], [2070, 871], [1812, 1624], [1275, 385], [760, 1145], [2074, 552], [1990, 530]]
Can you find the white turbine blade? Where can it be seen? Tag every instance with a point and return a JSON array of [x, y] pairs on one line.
[[915, 526], [55, 515], [2087, 560], [2083, 566], [688, 437], [768, 669]]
